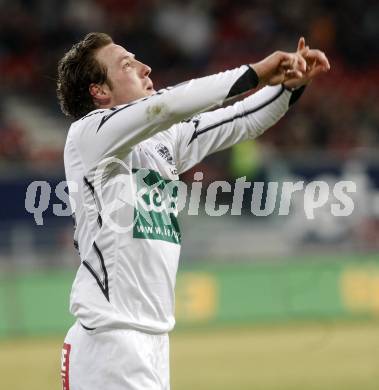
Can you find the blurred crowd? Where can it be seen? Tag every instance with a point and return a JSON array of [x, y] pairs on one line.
[[185, 39]]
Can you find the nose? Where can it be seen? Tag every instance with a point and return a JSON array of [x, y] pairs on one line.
[[146, 70]]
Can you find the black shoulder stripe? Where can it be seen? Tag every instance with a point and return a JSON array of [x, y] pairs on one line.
[[91, 114], [246, 82], [115, 111], [211, 127]]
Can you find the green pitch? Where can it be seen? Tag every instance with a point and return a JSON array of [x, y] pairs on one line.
[[309, 356]]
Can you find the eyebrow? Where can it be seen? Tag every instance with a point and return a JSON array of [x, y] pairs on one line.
[[126, 56]]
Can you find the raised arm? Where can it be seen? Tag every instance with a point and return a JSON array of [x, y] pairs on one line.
[[114, 131], [217, 130], [213, 131]]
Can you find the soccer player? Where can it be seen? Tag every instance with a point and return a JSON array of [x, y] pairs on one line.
[[123, 293]]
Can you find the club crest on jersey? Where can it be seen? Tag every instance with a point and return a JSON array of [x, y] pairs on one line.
[[164, 153]]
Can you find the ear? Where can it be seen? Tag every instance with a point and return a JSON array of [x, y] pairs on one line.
[[100, 94]]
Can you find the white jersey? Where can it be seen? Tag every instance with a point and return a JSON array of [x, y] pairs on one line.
[[129, 254]]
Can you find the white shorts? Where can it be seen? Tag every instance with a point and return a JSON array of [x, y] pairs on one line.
[[119, 359]]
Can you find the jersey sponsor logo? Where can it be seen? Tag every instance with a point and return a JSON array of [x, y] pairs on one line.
[[65, 366], [155, 213], [164, 153]]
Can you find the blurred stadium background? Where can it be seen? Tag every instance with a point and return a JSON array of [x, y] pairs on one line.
[[262, 302]]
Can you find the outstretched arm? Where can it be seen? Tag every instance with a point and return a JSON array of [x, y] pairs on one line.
[[113, 132], [217, 130], [213, 131]]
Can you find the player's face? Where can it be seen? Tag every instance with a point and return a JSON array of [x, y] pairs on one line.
[[129, 77]]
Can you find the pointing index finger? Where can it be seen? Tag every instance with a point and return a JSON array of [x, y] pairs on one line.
[[301, 44]]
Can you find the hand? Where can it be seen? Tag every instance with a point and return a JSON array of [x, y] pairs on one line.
[[280, 67], [316, 61]]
